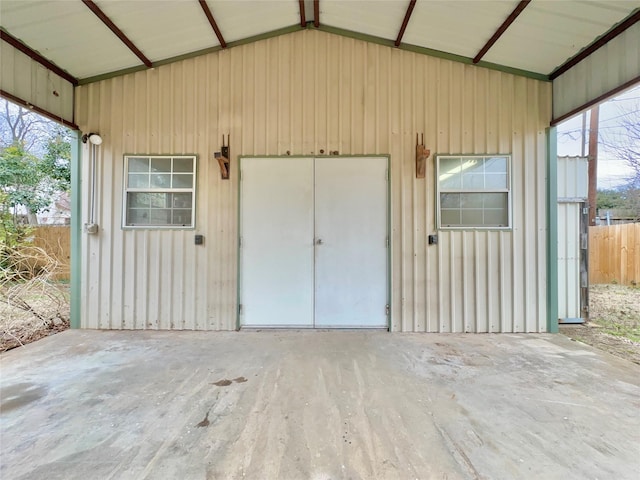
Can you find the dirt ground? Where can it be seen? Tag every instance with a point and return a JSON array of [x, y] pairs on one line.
[[614, 324], [31, 311]]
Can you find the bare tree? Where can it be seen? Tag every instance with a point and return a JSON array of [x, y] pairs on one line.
[[19, 125]]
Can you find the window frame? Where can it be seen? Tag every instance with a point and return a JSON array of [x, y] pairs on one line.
[[126, 190], [508, 190]]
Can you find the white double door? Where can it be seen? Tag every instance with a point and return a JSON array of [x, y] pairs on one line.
[[313, 242]]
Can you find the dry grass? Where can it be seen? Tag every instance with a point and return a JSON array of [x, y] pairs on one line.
[[32, 304]]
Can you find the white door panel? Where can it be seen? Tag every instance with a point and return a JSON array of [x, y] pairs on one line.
[[351, 235], [277, 242]]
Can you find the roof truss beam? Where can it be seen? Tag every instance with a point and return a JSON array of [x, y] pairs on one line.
[[119, 33], [405, 22], [212, 22], [316, 13], [303, 20], [501, 29], [18, 45]]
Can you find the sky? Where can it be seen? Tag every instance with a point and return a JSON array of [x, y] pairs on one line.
[[612, 172]]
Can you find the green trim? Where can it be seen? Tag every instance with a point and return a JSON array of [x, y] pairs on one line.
[[238, 212], [335, 31], [76, 228], [389, 248], [552, 230]]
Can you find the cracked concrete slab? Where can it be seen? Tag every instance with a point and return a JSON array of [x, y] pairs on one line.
[[318, 405]]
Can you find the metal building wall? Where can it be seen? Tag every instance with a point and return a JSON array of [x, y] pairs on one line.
[[573, 177], [303, 93], [606, 69], [29, 81]]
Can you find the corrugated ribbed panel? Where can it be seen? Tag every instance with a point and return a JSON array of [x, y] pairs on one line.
[[569, 260], [615, 64], [573, 177], [26, 79], [300, 94]]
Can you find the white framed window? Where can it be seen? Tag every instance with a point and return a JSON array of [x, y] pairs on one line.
[[474, 191], [160, 191]]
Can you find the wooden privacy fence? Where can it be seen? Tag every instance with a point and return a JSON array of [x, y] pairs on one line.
[[614, 254], [56, 241]]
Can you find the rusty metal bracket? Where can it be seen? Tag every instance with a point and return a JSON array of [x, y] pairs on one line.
[[223, 159], [421, 158]]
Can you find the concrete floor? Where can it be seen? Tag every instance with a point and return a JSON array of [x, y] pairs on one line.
[[316, 405]]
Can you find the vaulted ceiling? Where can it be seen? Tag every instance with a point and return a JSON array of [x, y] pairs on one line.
[[87, 40]]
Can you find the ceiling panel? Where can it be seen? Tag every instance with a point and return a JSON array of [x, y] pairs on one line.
[[240, 19], [382, 18], [162, 29], [460, 27], [548, 33], [67, 33]]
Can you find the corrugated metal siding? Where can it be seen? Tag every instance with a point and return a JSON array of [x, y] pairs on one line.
[[28, 80], [301, 93], [573, 177], [609, 67], [569, 260]]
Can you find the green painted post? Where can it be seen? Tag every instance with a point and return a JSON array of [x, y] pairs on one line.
[[552, 230], [76, 227]]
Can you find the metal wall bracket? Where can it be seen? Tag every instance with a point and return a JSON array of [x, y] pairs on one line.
[[223, 159], [421, 158]]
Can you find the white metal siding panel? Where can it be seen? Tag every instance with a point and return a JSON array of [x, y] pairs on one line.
[[573, 177], [569, 260], [615, 64], [302, 93], [26, 79]]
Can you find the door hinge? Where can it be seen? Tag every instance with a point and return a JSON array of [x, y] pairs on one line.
[[240, 309], [387, 309]]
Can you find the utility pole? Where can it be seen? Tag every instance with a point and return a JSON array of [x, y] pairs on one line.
[[593, 164]]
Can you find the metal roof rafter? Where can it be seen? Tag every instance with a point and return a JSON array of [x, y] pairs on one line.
[[29, 52], [501, 29], [316, 13], [212, 22], [303, 20], [405, 22], [119, 33]]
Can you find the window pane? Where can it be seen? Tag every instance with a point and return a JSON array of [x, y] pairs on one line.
[[138, 180], [495, 180], [450, 173], [138, 164], [495, 200], [183, 180], [160, 180], [450, 200], [472, 181], [183, 165], [159, 200], [450, 217], [182, 200], [161, 165], [137, 200], [160, 216], [137, 216], [472, 217], [497, 218], [495, 165], [472, 165], [471, 200], [182, 216]]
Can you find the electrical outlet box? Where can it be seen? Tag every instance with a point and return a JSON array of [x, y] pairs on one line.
[[433, 239], [199, 239]]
